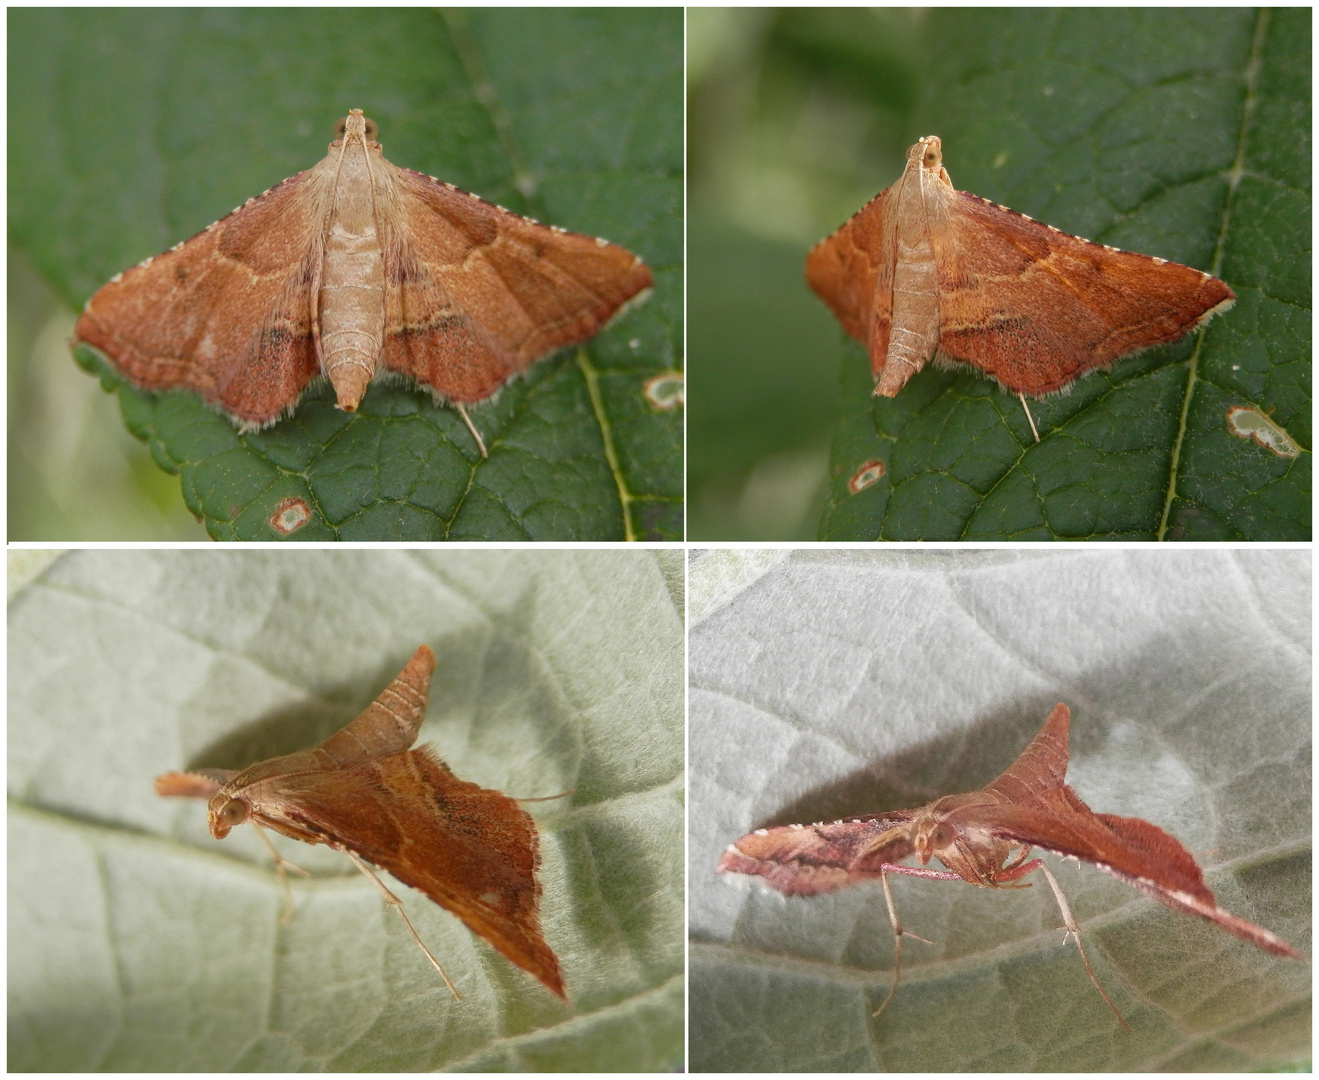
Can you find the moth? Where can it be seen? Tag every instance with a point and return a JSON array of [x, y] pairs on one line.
[[363, 792], [985, 838], [353, 268], [924, 271]]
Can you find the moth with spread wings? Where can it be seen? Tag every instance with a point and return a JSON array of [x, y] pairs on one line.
[[975, 836], [350, 269]]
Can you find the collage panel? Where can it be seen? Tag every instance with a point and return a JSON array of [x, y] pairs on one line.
[[972, 275], [402, 275], [575, 737], [526, 799], [855, 717]]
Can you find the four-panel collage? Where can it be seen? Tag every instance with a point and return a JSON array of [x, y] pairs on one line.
[[583, 730]]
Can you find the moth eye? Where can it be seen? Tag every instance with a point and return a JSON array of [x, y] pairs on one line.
[[340, 126], [942, 835], [371, 130], [234, 812]]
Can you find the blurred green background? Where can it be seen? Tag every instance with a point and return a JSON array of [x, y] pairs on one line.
[[75, 473], [796, 117]]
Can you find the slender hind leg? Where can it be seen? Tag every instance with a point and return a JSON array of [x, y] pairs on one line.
[[898, 932], [280, 864], [1075, 932], [1033, 429], [397, 904]]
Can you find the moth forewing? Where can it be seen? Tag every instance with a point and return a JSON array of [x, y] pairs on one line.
[[889, 846], [1209, 910]]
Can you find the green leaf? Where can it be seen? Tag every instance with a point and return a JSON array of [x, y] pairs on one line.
[[1180, 133], [144, 127], [138, 943], [829, 684]]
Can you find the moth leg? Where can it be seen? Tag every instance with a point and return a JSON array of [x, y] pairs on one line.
[[1008, 877], [898, 934], [547, 798], [1075, 931], [1021, 858], [1028, 416], [480, 443], [280, 864], [397, 904]]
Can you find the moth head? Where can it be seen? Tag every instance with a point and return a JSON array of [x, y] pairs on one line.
[[341, 126], [928, 155], [225, 813], [931, 837]]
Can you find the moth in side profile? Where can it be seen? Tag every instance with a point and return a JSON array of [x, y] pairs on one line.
[[976, 834], [363, 792], [352, 268], [924, 271]]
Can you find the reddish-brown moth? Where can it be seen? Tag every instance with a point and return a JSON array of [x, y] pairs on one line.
[[363, 792], [924, 271], [351, 268], [975, 834]]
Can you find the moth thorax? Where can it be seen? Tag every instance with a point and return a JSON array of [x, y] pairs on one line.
[[225, 813]]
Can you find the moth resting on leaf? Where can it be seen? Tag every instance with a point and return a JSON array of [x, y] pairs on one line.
[[975, 835], [925, 271], [351, 268], [363, 792]]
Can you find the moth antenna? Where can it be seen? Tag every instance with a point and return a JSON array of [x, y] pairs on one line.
[[480, 443], [193, 784], [1036, 433], [1075, 931], [397, 904], [280, 864]]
